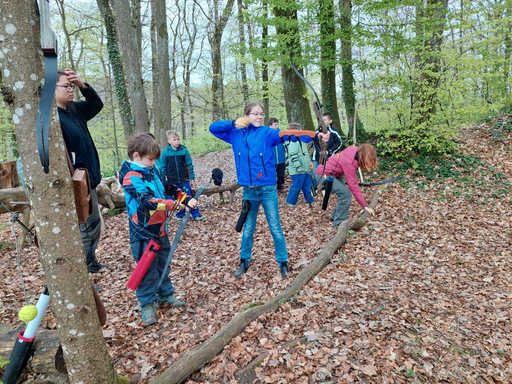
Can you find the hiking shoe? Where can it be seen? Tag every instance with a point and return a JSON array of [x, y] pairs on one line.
[[178, 219], [149, 314], [199, 218], [244, 266], [283, 267], [170, 300], [290, 205], [95, 267]]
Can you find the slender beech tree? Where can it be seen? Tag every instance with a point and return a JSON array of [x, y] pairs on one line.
[[218, 23], [298, 108], [114, 55], [264, 59], [326, 19], [164, 85], [427, 85], [155, 108], [132, 63], [51, 196], [347, 71], [243, 66]]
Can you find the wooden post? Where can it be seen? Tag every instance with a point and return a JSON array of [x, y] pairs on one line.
[[8, 175]]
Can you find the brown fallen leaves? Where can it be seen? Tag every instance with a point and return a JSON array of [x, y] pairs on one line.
[[420, 294]]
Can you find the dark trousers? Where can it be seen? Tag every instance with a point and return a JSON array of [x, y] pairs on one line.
[[280, 168]]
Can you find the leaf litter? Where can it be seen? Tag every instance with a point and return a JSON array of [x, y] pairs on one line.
[[420, 294]]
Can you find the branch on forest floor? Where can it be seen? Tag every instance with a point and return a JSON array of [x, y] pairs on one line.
[[202, 354]]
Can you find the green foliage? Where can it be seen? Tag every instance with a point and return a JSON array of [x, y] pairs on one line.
[[204, 142], [8, 145]]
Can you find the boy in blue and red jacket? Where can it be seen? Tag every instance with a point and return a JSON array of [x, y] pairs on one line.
[[147, 203], [177, 169]]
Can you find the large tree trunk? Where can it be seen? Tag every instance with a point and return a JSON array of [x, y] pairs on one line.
[[328, 64], [164, 85], [192, 360], [425, 97], [348, 92], [298, 109], [243, 66], [125, 109], [219, 24], [126, 34], [264, 61], [60, 247]]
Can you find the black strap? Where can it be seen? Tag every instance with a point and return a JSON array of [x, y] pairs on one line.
[[45, 109]]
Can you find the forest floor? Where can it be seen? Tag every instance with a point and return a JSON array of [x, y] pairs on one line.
[[422, 293]]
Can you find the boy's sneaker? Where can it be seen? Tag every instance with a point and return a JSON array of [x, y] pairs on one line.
[[170, 300], [148, 314], [95, 267], [178, 219], [199, 218], [290, 205]]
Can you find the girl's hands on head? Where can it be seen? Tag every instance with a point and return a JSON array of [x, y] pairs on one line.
[[241, 122], [74, 78]]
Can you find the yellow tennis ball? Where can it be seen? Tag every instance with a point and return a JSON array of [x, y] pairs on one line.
[[28, 313]]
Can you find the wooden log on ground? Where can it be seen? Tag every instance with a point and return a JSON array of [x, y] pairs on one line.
[[47, 358], [8, 175], [196, 358], [222, 188], [110, 193], [7, 196]]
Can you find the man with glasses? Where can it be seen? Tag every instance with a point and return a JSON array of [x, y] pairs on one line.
[[73, 117]]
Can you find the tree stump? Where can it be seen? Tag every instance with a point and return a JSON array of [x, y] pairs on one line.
[[16, 201], [8, 175]]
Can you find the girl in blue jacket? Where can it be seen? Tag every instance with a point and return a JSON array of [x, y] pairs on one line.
[[252, 144]]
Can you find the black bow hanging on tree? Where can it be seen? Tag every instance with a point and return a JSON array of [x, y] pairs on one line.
[[44, 111]]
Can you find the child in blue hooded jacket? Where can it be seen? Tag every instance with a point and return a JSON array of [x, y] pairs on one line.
[[148, 204], [252, 144]]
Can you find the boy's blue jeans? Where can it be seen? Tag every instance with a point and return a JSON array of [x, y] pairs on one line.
[[147, 290], [267, 196], [301, 182], [185, 187]]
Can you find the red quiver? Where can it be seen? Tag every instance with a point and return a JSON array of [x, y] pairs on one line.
[[144, 262]]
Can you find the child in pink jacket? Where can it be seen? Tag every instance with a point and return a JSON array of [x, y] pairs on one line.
[[345, 163]]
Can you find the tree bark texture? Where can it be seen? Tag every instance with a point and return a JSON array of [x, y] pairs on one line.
[[298, 108], [328, 63], [164, 86], [193, 360], [348, 92], [243, 66], [132, 61], [125, 109], [264, 61], [425, 99], [219, 24], [8, 175], [51, 195]]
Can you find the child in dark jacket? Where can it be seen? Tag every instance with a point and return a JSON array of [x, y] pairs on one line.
[[147, 205], [280, 156], [177, 169]]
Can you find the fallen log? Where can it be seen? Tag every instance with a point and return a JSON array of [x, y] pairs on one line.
[[196, 358], [8, 196], [8, 175], [110, 193], [111, 196]]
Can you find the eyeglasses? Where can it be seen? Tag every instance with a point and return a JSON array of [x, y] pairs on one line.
[[70, 86], [257, 114]]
